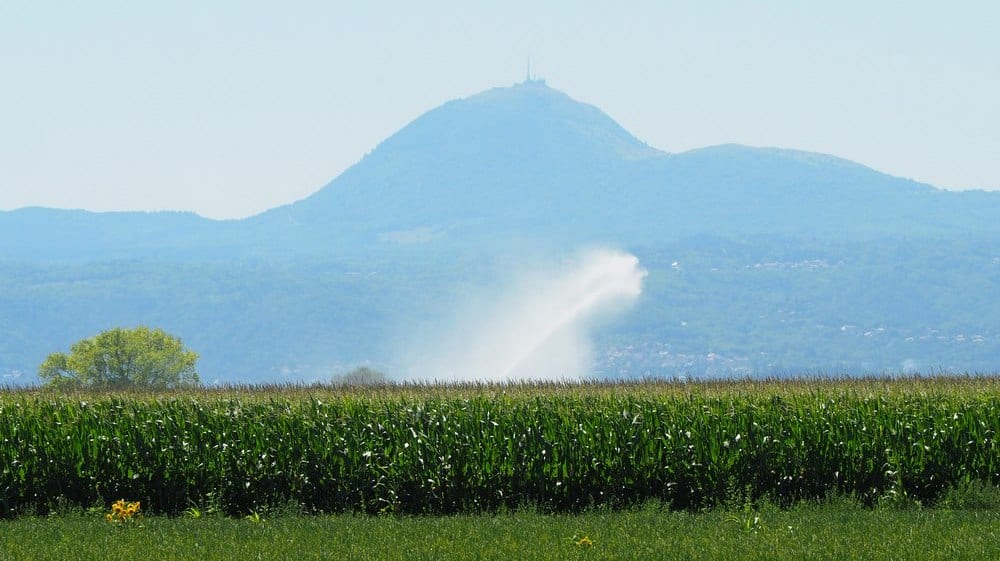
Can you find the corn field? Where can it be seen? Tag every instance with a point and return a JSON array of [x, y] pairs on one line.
[[429, 449]]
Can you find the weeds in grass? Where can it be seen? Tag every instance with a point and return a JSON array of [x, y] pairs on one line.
[[839, 528], [971, 495], [748, 519]]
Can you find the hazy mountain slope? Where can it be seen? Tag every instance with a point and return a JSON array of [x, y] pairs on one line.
[[740, 190], [529, 162], [43, 233]]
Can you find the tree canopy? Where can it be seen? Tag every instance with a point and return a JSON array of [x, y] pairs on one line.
[[361, 376], [123, 358]]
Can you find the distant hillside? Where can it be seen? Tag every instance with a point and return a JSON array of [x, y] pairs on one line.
[[760, 260], [42, 234], [529, 161]]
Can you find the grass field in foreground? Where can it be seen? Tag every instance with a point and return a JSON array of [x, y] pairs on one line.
[[840, 531]]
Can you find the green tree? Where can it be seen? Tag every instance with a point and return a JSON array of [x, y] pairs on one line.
[[361, 376], [123, 358]]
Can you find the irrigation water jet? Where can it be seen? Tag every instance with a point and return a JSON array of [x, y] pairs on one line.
[[540, 329]]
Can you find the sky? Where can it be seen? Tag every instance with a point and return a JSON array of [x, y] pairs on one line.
[[228, 108]]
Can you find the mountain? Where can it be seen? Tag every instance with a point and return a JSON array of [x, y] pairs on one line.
[[43, 234], [529, 161], [760, 260], [497, 162]]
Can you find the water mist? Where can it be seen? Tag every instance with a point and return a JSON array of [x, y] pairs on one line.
[[539, 328]]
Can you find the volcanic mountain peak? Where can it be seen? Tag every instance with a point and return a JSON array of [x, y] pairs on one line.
[[528, 162], [526, 117]]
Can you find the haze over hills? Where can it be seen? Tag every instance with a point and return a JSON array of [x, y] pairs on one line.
[[334, 279], [528, 160]]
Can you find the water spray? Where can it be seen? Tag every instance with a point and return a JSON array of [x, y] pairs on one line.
[[539, 330]]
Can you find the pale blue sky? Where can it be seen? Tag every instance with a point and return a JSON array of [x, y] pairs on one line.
[[228, 108]]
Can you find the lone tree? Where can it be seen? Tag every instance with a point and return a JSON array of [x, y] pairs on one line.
[[123, 358], [361, 376]]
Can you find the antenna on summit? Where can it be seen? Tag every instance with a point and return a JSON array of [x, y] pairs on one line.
[[529, 79]]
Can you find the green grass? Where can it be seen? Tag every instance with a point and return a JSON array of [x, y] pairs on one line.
[[839, 530]]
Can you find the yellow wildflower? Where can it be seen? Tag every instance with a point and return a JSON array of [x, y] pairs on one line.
[[122, 511]]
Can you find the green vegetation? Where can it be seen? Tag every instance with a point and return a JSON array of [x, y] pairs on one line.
[[839, 530], [123, 358], [361, 376], [469, 449], [762, 306]]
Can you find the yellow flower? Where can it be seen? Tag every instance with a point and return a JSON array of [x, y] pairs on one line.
[[585, 541], [122, 511]]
